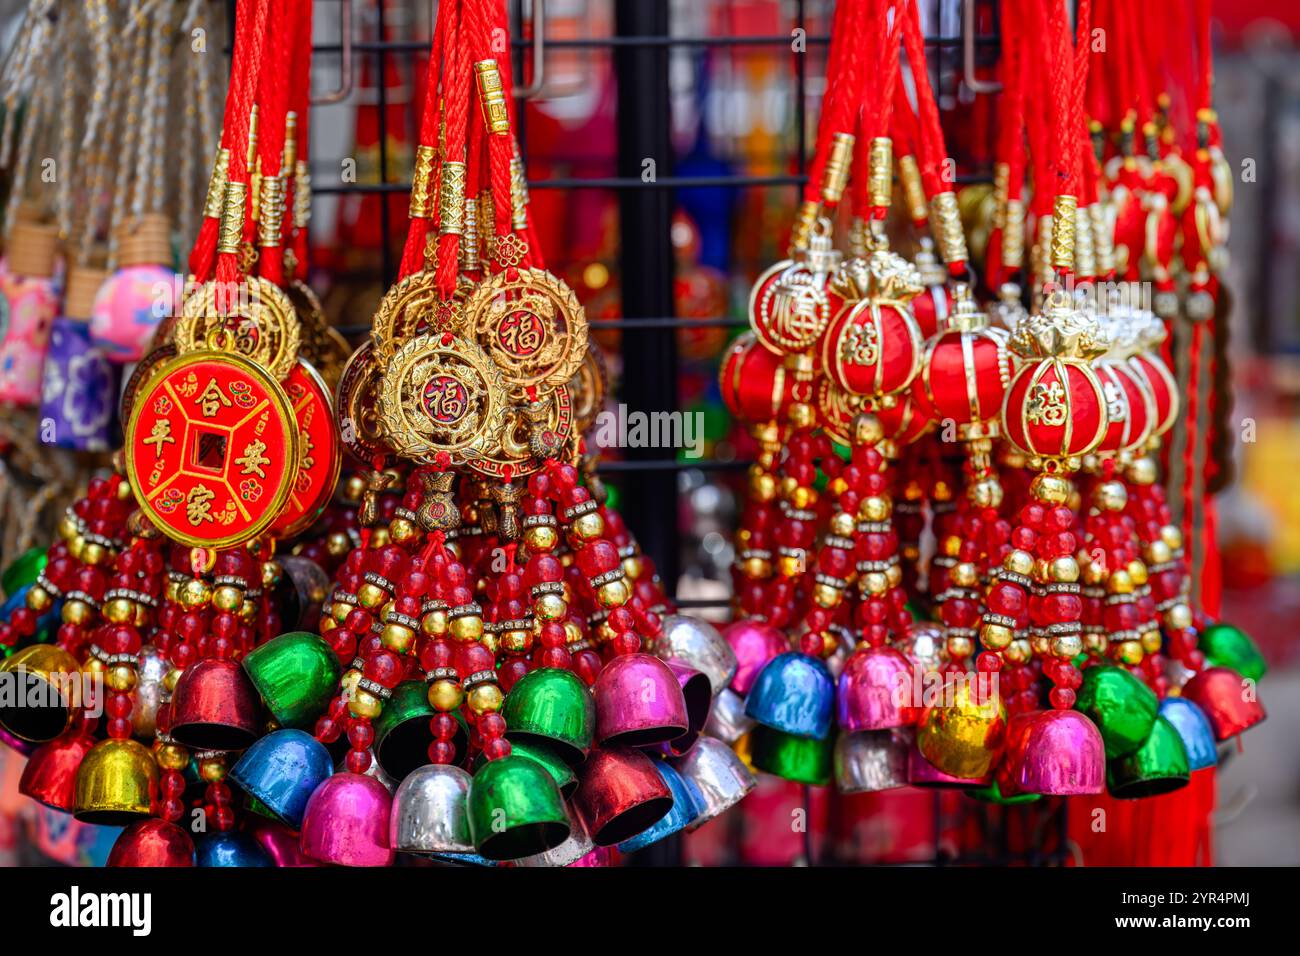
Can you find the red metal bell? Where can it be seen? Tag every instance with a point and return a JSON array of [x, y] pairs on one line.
[[215, 707], [1228, 700], [50, 776], [152, 842], [620, 795]]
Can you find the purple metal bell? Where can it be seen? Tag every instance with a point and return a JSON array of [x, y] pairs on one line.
[[1057, 753], [346, 822], [754, 644], [698, 694], [879, 690], [639, 702]]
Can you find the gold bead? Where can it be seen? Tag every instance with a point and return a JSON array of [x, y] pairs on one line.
[[93, 553], [804, 497], [372, 596], [762, 487], [1110, 496], [1018, 651], [401, 530], [867, 429], [354, 488], [541, 539], [516, 641], [77, 612], [227, 598], [1179, 617], [826, 596], [1064, 569], [875, 583], [1129, 652], [960, 648], [397, 637], [1020, 562], [327, 624], [39, 599], [996, 636], [365, 704], [446, 695], [348, 682], [485, 699], [964, 574], [1050, 489], [1142, 472], [434, 623], [340, 611], [1151, 641], [67, 527], [338, 544], [272, 573], [172, 757], [1157, 552], [613, 594], [756, 568], [170, 678], [1040, 645], [466, 628], [121, 678], [894, 576], [842, 524], [1171, 536], [550, 607], [1094, 573], [951, 546], [1068, 646], [1137, 571], [801, 415], [1096, 643], [1120, 583], [76, 546], [588, 527], [94, 665], [986, 493], [790, 565], [875, 508], [117, 611], [194, 593], [379, 537], [213, 770]]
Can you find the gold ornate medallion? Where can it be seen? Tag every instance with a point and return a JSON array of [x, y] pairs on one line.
[[531, 433], [441, 394], [413, 307], [531, 326], [259, 315], [321, 344], [356, 399], [588, 387]]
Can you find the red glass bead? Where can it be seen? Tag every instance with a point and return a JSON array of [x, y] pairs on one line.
[[358, 761]]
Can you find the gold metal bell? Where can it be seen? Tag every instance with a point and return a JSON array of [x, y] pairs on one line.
[[117, 783], [39, 708], [964, 735]]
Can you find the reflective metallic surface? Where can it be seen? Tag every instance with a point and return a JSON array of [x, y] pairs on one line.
[[215, 707], [870, 761], [231, 848], [1228, 701], [1054, 753], [719, 776], [346, 822], [282, 770], [1158, 766], [50, 776], [430, 811], [698, 644], [117, 783], [296, 674], [152, 842], [39, 708], [801, 759], [620, 794], [963, 735], [794, 693], [577, 846], [878, 690], [150, 671], [1194, 729], [754, 644], [685, 809], [515, 809], [639, 702], [553, 706], [727, 720], [1122, 707]]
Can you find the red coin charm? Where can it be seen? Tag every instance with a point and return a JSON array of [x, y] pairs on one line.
[[212, 449], [319, 450]]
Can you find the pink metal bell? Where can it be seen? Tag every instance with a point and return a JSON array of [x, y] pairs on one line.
[[346, 822], [1229, 701], [50, 776], [1057, 753], [754, 643], [878, 690], [639, 702]]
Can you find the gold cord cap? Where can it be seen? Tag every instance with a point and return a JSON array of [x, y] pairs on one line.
[[1063, 222], [451, 198], [271, 223], [1013, 235], [909, 174], [289, 159], [945, 222], [469, 260], [495, 114], [301, 194], [1102, 242], [217, 185], [804, 221], [486, 222], [880, 172], [518, 194], [420, 182], [835, 177], [230, 235]]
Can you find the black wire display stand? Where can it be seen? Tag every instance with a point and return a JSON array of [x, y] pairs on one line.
[[640, 46]]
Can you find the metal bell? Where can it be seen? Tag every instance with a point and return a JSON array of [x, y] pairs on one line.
[[296, 675], [278, 842], [698, 644], [992, 793], [554, 706], [878, 690], [50, 776], [402, 733], [515, 809], [117, 783], [685, 808], [548, 756], [24, 747], [346, 822], [1122, 707], [1226, 646], [430, 811], [230, 848], [152, 842], [754, 644], [1194, 729], [1057, 753], [795, 694], [620, 795], [698, 694], [577, 846], [718, 775], [150, 670], [870, 761], [1227, 701], [801, 759], [727, 720], [215, 707], [39, 707], [964, 733], [282, 770], [639, 703], [1158, 766], [922, 773]]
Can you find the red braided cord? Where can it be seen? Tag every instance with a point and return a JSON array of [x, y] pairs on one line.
[[418, 230], [300, 103], [273, 105], [456, 94], [844, 68]]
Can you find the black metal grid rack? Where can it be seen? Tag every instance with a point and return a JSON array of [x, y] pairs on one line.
[[640, 45]]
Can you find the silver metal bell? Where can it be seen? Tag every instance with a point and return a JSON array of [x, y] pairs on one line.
[[430, 814], [718, 774], [578, 845], [870, 761], [727, 720], [698, 644]]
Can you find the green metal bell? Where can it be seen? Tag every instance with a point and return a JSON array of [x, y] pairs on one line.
[[297, 674], [402, 734], [546, 755], [515, 809], [992, 793], [800, 759], [1123, 708], [22, 570], [1158, 766], [1226, 646], [554, 706]]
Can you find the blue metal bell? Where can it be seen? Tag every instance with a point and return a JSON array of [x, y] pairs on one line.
[[231, 848], [686, 807], [281, 770], [1194, 729], [795, 694]]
